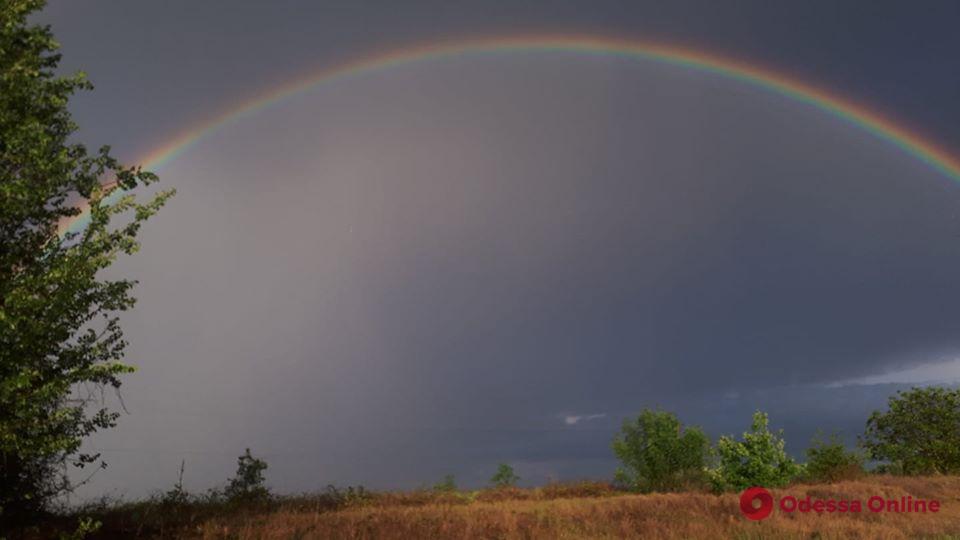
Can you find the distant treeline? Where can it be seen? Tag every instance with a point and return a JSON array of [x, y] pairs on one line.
[[918, 434]]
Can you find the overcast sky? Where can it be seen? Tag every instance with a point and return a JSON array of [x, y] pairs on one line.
[[434, 268]]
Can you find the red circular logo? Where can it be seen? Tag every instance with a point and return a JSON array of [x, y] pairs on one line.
[[747, 499]]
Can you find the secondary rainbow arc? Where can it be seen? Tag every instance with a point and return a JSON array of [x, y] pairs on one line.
[[907, 141]]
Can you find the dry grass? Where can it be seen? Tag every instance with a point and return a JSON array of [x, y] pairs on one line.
[[583, 510], [595, 511]]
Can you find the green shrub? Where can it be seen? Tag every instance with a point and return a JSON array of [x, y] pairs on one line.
[[504, 477], [447, 485], [829, 461], [176, 496], [248, 485], [86, 526], [658, 454], [760, 459]]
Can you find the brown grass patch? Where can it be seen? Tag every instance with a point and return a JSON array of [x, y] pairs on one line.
[[594, 511], [590, 510]]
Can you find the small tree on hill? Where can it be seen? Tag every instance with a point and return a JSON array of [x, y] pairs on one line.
[[658, 454], [919, 433], [760, 459], [504, 477], [248, 485]]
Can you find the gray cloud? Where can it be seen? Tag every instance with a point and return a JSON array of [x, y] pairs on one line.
[[409, 274], [413, 273], [574, 419]]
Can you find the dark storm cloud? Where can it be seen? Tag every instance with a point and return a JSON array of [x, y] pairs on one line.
[[422, 271], [425, 270]]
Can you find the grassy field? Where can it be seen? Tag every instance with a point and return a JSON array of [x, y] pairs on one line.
[[587, 510]]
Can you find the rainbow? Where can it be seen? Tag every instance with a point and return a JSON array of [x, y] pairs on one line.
[[882, 128]]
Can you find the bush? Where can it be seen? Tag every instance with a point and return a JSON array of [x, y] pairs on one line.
[[447, 485], [829, 461], [919, 433], [504, 477], [759, 460], [248, 485], [658, 454], [176, 496]]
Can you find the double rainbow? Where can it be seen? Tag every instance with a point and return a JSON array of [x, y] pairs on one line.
[[905, 140]]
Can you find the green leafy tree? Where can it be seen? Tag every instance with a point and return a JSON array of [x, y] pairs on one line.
[[249, 484], [504, 477], [760, 459], [659, 454], [60, 339], [919, 433], [828, 460]]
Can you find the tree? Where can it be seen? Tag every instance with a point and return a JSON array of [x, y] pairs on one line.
[[760, 459], [828, 460], [658, 454], [504, 477], [60, 338], [919, 433], [249, 484]]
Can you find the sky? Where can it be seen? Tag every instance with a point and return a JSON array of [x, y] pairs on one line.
[[433, 268]]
